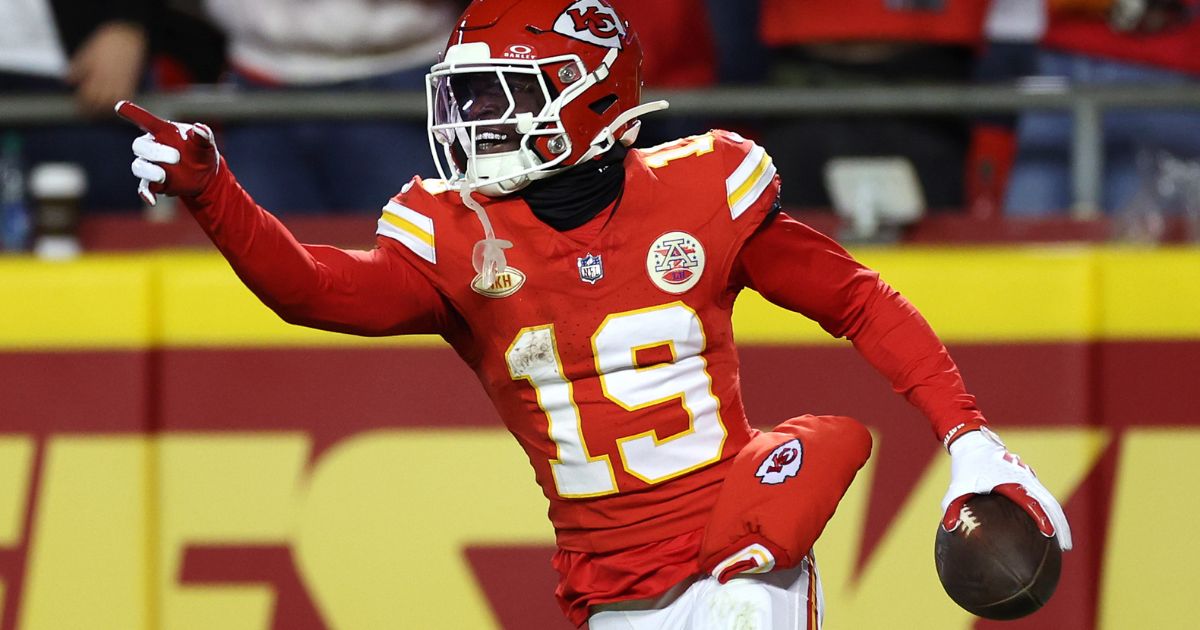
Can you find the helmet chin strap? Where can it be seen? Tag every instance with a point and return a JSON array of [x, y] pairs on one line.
[[488, 255], [605, 139]]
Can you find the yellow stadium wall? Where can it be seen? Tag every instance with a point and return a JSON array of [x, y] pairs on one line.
[[172, 456]]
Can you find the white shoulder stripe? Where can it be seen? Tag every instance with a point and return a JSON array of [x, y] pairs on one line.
[[745, 169], [411, 228], [749, 180], [424, 223], [754, 193]]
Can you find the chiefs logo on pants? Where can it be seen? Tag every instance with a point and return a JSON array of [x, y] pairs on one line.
[[783, 488]]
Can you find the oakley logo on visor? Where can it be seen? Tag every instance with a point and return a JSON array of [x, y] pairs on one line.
[[592, 22]]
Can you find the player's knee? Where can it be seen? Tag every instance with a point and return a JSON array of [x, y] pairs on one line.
[[841, 433], [857, 436]]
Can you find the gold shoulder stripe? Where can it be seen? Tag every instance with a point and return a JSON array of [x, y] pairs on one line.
[[411, 228], [749, 180]]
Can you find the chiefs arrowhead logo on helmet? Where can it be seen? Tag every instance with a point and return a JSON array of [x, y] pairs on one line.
[[593, 22]]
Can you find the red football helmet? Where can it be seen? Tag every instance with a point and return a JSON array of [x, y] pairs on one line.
[[527, 88]]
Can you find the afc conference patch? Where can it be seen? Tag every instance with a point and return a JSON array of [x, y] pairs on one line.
[[675, 262], [591, 268], [782, 463]]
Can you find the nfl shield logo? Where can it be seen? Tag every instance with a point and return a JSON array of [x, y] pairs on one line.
[[591, 268]]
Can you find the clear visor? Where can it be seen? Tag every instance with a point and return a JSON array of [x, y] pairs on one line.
[[486, 117], [498, 105]]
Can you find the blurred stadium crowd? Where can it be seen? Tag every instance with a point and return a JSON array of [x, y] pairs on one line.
[[982, 166]]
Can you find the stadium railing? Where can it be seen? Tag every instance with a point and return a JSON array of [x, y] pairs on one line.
[[1086, 104]]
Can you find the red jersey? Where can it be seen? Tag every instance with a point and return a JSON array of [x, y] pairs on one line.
[[612, 360]]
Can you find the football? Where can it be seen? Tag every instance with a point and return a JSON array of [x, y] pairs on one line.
[[996, 564]]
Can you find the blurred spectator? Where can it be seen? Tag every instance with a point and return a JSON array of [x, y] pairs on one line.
[[341, 46], [741, 56], [97, 51], [867, 43], [98, 48], [188, 49], [93, 50], [1107, 42], [1011, 33]]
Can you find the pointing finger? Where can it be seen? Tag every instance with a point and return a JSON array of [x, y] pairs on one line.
[[142, 118]]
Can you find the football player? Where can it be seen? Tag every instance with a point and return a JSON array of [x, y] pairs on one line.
[[590, 287]]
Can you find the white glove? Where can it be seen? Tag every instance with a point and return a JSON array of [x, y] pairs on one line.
[[980, 464], [172, 158]]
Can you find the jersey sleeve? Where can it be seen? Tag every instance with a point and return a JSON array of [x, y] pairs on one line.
[[375, 292], [751, 183], [751, 191], [407, 223], [824, 283]]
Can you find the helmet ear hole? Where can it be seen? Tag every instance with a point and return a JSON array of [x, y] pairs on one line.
[[602, 104]]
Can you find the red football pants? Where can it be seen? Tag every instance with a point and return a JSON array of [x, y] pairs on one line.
[[782, 489]]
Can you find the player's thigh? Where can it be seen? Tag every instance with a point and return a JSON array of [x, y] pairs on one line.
[[671, 610], [781, 600]]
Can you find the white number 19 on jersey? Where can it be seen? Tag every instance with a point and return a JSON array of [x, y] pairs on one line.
[[533, 356]]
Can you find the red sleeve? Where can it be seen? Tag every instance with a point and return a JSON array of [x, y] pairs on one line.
[[824, 283], [373, 292]]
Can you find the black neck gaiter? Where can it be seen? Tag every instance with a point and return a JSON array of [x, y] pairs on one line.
[[571, 198]]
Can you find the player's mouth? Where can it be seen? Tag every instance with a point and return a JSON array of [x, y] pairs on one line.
[[496, 140]]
